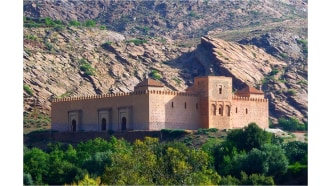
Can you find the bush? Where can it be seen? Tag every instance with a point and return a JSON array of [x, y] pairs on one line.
[[102, 27], [137, 41], [90, 23], [291, 92], [31, 37], [155, 74], [171, 134], [74, 23], [274, 72], [87, 67], [49, 22], [27, 89], [283, 55], [206, 131]]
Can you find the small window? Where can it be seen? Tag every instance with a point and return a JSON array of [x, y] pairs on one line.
[[185, 105], [228, 110], [236, 109], [246, 111], [172, 104], [196, 106], [220, 89]]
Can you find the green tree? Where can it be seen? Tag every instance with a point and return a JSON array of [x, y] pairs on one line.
[[249, 137], [36, 163], [296, 151], [269, 160], [291, 124], [256, 162], [96, 163], [276, 159]]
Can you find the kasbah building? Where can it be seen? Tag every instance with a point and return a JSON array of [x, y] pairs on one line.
[[208, 103]]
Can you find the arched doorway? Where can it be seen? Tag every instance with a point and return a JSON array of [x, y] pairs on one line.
[[104, 124], [74, 125], [123, 123]]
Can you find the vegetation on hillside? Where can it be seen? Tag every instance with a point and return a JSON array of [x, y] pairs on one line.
[[57, 24], [258, 159]]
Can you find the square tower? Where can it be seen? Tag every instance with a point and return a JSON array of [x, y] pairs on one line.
[[215, 100]]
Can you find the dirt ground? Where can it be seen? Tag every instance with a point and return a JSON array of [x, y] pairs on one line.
[[298, 136], [301, 136]]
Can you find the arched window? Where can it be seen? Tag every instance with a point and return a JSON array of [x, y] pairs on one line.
[[228, 110], [185, 105], [73, 125], [172, 104], [220, 110], [236, 109], [214, 109], [123, 123], [246, 111], [104, 124]]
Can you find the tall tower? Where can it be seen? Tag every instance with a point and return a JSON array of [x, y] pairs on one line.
[[215, 100]]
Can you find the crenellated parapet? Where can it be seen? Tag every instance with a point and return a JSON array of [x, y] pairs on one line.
[[249, 99], [168, 92], [90, 97]]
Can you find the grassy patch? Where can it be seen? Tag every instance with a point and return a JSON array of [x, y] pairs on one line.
[[302, 82], [177, 80], [35, 120]]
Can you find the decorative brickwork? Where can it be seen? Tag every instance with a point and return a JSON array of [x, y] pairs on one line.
[[209, 103]]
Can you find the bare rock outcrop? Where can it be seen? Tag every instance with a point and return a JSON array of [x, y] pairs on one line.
[[285, 87]]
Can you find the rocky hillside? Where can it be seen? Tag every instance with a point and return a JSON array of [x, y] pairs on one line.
[[175, 19], [75, 60]]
